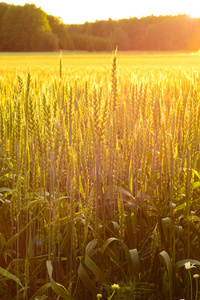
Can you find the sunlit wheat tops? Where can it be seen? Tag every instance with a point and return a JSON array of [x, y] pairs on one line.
[[99, 182]]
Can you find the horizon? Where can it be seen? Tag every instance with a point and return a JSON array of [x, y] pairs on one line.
[[91, 11]]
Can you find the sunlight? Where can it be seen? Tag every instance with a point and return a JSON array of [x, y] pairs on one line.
[[90, 11], [195, 53], [195, 14]]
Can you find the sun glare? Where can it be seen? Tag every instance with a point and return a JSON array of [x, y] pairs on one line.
[[195, 14], [90, 11]]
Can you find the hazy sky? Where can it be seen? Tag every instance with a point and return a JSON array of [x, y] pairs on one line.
[[79, 11]]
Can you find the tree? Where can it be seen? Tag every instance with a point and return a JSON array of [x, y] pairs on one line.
[[60, 30], [3, 8], [49, 41], [23, 28], [28, 28]]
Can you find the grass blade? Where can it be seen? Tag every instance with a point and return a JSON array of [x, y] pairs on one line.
[[10, 276]]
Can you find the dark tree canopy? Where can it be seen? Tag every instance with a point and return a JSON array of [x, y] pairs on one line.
[[25, 28], [28, 28]]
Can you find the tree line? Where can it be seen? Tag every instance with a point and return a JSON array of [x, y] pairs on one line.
[[28, 28]]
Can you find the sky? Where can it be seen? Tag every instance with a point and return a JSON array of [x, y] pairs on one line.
[[80, 11]]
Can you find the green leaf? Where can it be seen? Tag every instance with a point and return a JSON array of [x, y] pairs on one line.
[[165, 259], [179, 207], [94, 269], [37, 270], [166, 224], [49, 268], [131, 255], [135, 260], [115, 226], [196, 173], [4, 189], [86, 280], [59, 290], [9, 275], [90, 247], [21, 262], [196, 185], [107, 243], [194, 218], [165, 285], [105, 247], [181, 263], [56, 287], [41, 290], [112, 227]]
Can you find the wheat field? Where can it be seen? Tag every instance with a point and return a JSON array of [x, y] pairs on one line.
[[99, 175]]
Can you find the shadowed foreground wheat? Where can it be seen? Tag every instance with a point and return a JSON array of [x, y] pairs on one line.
[[99, 183]]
